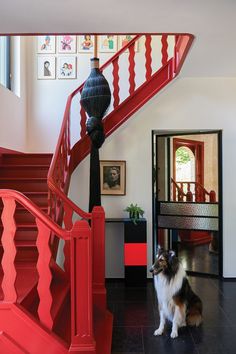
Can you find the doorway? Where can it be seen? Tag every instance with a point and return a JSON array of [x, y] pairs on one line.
[[187, 198]]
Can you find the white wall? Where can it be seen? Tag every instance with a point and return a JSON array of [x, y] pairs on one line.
[[188, 104], [47, 98], [13, 108]]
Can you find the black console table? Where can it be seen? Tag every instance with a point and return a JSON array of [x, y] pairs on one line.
[[135, 250]]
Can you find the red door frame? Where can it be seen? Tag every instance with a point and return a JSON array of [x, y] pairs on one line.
[[197, 147]]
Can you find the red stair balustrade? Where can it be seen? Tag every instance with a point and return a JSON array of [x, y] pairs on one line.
[[82, 338], [116, 78], [9, 250], [98, 239], [148, 56], [45, 274], [164, 49], [131, 68]]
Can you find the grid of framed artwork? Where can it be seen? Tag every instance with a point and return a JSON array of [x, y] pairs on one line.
[[57, 55]]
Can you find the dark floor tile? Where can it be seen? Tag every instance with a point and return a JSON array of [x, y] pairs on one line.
[[129, 294], [127, 340], [205, 288], [215, 340], [165, 345], [229, 308], [135, 314], [214, 315]]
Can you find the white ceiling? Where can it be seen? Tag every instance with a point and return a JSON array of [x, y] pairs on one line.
[[213, 22]]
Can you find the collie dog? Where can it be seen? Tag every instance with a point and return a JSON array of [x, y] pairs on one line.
[[176, 300]]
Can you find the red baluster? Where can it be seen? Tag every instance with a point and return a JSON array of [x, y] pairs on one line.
[[212, 196], [131, 69], [98, 239], [116, 88], [189, 196], [82, 339], [45, 275], [68, 213], [82, 122], [148, 56], [164, 49], [9, 250]]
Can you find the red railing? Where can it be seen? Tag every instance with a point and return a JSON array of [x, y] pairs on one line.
[[66, 158], [80, 240], [191, 191]]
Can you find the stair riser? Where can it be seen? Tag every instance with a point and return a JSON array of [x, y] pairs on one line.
[[24, 254], [34, 172], [26, 159], [25, 186]]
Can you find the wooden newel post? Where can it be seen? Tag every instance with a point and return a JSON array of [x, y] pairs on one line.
[[98, 239], [82, 339], [189, 196]]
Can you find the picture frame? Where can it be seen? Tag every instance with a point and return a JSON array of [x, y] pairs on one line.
[[124, 39], [66, 44], [113, 177], [85, 43], [46, 44], [107, 43], [66, 67], [46, 68]]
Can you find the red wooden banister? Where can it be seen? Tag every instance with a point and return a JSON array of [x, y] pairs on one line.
[[200, 191], [73, 155], [80, 243]]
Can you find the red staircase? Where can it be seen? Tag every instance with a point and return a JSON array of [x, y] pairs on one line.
[[63, 307]]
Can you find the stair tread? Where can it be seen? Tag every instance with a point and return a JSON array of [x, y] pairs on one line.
[[24, 243], [2, 165], [23, 178], [48, 154]]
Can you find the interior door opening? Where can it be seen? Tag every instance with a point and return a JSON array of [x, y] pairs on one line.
[[187, 200]]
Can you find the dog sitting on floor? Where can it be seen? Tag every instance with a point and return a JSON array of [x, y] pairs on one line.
[[176, 300]]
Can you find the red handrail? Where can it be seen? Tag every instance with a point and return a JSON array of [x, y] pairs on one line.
[[67, 158]]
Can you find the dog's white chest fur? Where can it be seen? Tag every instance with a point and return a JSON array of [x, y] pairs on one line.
[[167, 289]]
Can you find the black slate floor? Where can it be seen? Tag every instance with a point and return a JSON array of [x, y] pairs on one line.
[[136, 318]]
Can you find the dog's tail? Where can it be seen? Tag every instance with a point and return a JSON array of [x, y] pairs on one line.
[[194, 319]]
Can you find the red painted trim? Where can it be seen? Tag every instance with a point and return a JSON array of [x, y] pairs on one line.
[[164, 50], [36, 211], [131, 69], [135, 254], [148, 57], [116, 87]]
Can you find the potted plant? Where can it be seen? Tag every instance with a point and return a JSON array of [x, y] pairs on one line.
[[134, 211]]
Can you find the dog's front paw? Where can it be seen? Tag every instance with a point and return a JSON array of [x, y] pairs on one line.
[[174, 334], [158, 332]]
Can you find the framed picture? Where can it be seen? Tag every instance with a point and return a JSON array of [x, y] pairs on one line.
[[108, 44], [125, 39], [46, 44], [66, 44], [86, 43], [113, 177], [66, 67], [46, 67]]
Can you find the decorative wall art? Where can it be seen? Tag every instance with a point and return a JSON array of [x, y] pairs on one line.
[[66, 44], [66, 67], [108, 44], [113, 177], [125, 39], [46, 67], [86, 43], [46, 44]]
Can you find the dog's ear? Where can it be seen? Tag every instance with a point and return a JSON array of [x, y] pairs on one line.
[[172, 254], [160, 250]]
